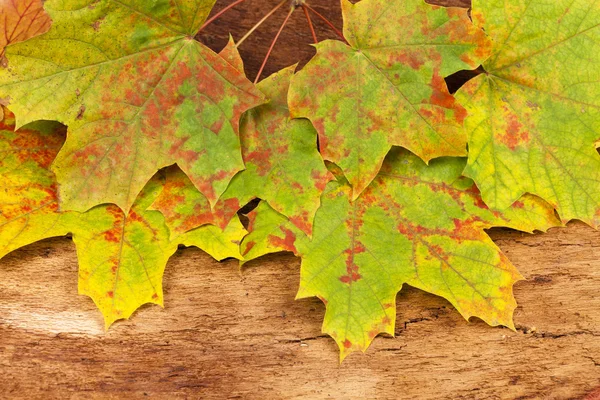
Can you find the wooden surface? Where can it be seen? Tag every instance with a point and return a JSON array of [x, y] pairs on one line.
[[226, 334]]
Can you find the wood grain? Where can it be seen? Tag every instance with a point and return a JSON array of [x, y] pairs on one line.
[[231, 334], [225, 335]]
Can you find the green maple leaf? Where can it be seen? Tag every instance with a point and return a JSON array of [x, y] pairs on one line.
[[386, 87], [283, 167], [534, 115], [138, 94], [269, 232], [415, 224], [121, 256]]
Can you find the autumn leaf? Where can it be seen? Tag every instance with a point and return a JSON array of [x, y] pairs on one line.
[[185, 208], [386, 87], [416, 225], [21, 20], [220, 244], [28, 199], [269, 232], [121, 256], [283, 167], [534, 113], [231, 54], [138, 94]]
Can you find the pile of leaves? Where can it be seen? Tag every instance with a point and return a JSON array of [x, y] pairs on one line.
[[122, 130]]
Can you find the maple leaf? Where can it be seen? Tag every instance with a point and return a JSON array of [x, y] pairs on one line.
[[138, 94], [283, 167], [21, 20], [121, 256], [28, 200], [269, 232], [534, 113], [387, 88], [219, 244], [415, 224], [231, 54]]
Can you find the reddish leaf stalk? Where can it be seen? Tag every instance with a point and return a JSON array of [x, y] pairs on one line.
[[327, 22], [262, 67], [259, 23], [217, 15], [310, 25]]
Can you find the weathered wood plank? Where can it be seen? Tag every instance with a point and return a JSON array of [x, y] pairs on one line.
[[226, 334]]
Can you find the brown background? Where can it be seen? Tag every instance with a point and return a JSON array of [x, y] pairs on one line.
[[229, 335]]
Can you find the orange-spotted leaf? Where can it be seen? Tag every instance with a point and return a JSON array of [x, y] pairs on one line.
[[231, 54], [21, 20], [122, 257], [138, 94], [415, 224], [387, 86], [269, 232], [534, 114], [185, 208], [28, 198], [283, 167]]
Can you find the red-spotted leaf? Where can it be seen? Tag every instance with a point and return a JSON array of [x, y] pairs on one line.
[[386, 87], [423, 226], [121, 256], [185, 208], [231, 54], [28, 199], [283, 167], [269, 232], [138, 94], [415, 224], [534, 114]]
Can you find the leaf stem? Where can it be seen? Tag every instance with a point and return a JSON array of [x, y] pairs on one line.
[[217, 15], [327, 22], [310, 25], [262, 67], [259, 23]]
